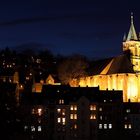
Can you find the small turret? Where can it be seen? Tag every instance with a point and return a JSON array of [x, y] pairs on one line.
[[132, 32]]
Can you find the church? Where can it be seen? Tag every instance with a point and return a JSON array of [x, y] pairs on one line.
[[119, 73]]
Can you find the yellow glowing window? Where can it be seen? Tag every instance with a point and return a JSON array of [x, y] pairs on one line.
[[58, 110], [63, 121], [63, 111], [92, 107], [125, 126], [129, 126], [75, 126], [39, 111], [100, 109], [61, 101], [92, 117], [73, 116], [73, 107], [58, 120]]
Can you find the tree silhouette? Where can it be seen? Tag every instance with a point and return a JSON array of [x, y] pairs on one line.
[[73, 67]]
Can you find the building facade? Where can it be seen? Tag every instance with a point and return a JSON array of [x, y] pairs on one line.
[[73, 113]]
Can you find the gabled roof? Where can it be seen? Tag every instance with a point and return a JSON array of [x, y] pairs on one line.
[[119, 64], [96, 67], [132, 32]]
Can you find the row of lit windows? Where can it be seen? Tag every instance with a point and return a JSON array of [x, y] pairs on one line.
[[73, 116], [61, 111], [105, 126], [92, 117], [127, 126], [73, 107], [33, 128], [61, 101], [37, 111], [61, 121]]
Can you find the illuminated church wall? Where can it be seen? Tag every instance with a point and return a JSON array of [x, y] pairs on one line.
[[127, 82]]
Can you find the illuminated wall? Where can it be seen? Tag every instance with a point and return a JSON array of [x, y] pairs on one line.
[[134, 47], [127, 82]]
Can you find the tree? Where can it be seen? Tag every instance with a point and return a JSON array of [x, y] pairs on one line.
[[71, 68]]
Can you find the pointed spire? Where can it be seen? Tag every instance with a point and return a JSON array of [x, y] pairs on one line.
[[132, 32]]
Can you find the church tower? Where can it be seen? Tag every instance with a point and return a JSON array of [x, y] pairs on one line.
[[132, 43]]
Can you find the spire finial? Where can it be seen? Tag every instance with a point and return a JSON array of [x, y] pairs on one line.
[[132, 33], [131, 17]]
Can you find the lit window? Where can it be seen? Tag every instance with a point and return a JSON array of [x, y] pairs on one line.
[[30, 74], [73, 107], [101, 117], [59, 110], [104, 101], [129, 126], [33, 111], [61, 101], [105, 126], [100, 126], [110, 126], [58, 120], [92, 107], [128, 110], [63, 121], [125, 126], [32, 128], [63, 111], [39, 120], [75, 126], [39, 111], [39, 128], [27, 78], [100, 109], [73, 116], [92, 117], [25, 127]]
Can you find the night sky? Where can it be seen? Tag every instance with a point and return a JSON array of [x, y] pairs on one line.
[[92, 28]]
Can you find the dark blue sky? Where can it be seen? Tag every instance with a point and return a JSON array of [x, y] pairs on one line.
[[92, 28]]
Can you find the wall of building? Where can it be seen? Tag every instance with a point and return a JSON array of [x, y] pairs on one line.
[[127, 82]]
